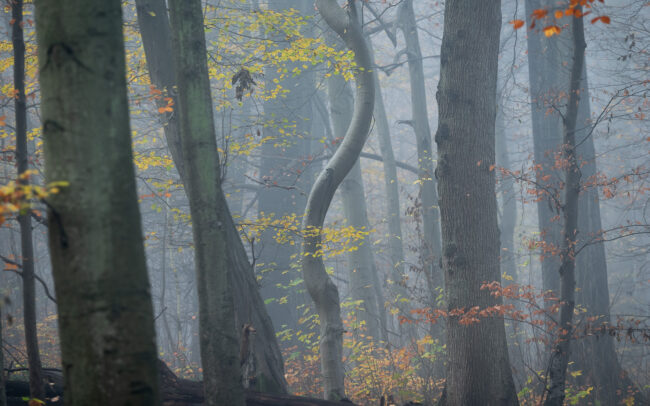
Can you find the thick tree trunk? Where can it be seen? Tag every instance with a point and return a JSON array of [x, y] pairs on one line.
[[478, 367], [217, 333], [25, 220], [249, 306], [94, 227], [320, 286]]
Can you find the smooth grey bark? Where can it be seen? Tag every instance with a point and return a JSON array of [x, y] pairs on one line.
[[281, 165], [319, 285], [95, 235], [549, 77], [478, 366], [361, 261], [249, 306], [36, 385], [217, 333]]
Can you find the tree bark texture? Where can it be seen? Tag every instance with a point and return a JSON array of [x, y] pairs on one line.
[[319, 285], [478, 367], [24, 219], [249, 306], [217, 332], [95, 235]]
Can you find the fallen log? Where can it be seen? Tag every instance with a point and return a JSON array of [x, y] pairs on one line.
[[176, 392]]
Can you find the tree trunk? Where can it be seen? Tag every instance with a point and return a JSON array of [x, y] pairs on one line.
[[594, 355], [288, 121], [562, 348], [94, 227], [397, 284], [217, 333], [24, 220], [431, 241], [249, 306], [478, 367], [320, 286], [361, 261]]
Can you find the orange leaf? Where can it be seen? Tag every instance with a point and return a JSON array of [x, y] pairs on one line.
[[3, 119], [604, 19], [517, 24], [559, 14], [539, 13], [552, 30]]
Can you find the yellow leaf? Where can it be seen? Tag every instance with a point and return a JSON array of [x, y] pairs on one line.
[[552, 30]]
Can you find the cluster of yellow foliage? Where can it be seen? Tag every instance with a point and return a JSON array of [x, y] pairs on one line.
[[17, 196]]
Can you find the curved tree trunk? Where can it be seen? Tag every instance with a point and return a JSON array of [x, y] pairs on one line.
[[320, 286], [37, 390], [217, 333], [361, 262], [478, 367], [95, 235], [249, 306]]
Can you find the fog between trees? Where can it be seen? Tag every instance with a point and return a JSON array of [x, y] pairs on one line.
[[275, 202]]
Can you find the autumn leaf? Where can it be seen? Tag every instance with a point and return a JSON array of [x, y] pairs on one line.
[[539, 13], [3, 119], [517, 24], [604, 19], [552, 30], [559, 14]]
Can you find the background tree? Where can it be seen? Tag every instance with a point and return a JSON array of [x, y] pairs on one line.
[[94, 223], [36, 384]]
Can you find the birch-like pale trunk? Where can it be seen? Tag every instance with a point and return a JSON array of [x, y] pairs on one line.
[[321, 288], [217, 332], [106, 326]]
